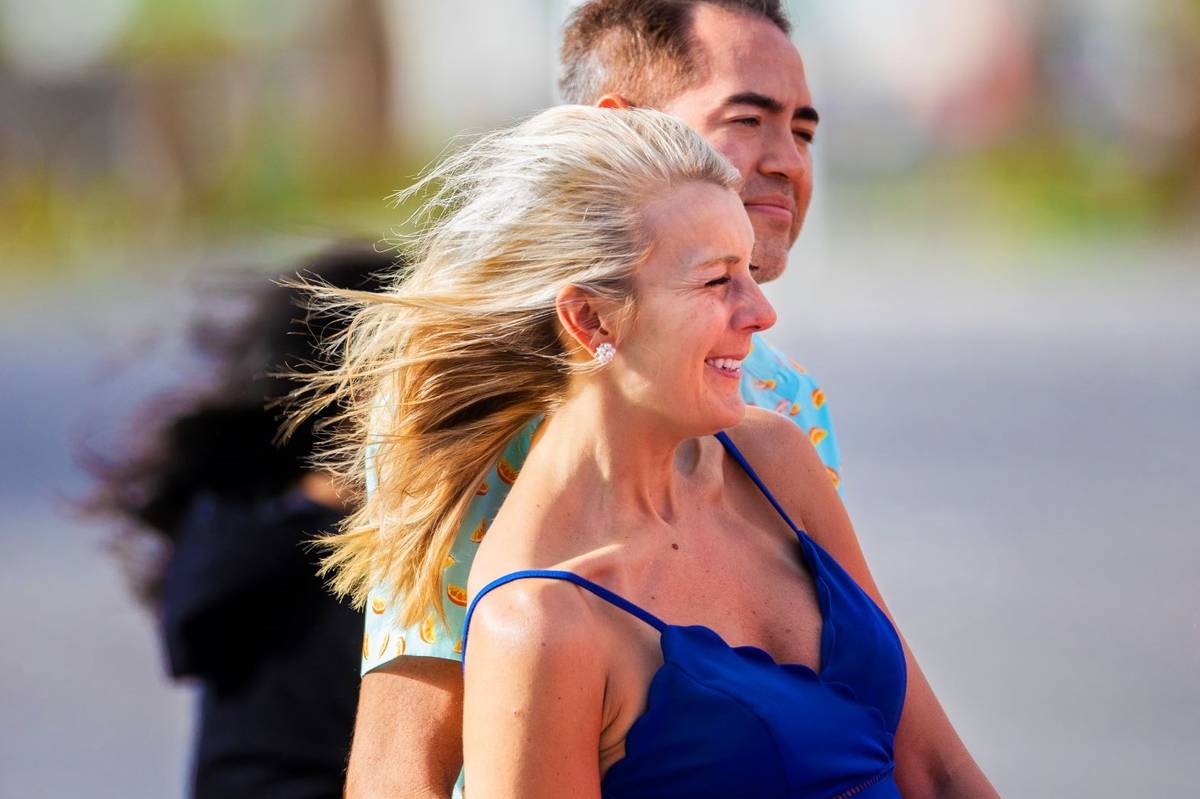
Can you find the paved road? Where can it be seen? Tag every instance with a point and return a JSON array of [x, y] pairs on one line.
[[1019, 438]]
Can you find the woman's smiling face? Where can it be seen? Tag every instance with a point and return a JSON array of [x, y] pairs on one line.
[[697, 305]]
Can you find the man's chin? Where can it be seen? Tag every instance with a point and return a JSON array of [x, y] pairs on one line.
[[770, 256]]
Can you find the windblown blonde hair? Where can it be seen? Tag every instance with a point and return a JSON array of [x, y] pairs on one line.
[[436, 375]]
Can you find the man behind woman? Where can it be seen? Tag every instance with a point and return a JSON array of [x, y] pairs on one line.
[[594, 271], [727, 68]]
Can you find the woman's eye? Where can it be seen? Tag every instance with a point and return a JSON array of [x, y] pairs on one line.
[[718, 282]]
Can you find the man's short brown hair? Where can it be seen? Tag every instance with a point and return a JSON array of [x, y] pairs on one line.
[[640, 49]]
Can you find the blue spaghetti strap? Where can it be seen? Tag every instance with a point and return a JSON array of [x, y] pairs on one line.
[[732, 449], [556, 574]]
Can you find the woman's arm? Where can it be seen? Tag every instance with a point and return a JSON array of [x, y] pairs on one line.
[[534, 695], [931, 760]]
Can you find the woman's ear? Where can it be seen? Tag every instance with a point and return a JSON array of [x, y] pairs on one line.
[[580, 315]]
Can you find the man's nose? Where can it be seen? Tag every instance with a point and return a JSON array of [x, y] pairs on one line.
[[783, 157]]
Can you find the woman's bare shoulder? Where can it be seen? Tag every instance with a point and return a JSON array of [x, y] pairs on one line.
[[773, 444], [531, 613], [783, 457], [531, 646]]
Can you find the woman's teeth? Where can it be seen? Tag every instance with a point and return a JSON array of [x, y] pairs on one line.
[[729, 365]]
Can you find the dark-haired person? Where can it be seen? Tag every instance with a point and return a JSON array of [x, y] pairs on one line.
[[240, 606], [728, 69]]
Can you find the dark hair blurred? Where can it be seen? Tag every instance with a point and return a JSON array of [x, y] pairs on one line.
[[223, 440]]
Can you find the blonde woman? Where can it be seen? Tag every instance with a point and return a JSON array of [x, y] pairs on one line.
[[671, 601]]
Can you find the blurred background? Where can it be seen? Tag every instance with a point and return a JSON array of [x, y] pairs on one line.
[[997, 286]]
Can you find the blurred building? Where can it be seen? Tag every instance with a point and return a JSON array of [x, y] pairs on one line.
[[134, 123]]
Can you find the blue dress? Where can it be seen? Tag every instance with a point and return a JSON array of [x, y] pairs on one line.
[[723, 721]]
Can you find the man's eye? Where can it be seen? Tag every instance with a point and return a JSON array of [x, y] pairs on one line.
[[721, 281], [751, 122], [805, 135]]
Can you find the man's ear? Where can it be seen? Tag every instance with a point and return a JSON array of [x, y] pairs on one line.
[[613, 101], [580, 315]]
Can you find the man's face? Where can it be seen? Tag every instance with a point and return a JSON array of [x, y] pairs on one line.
[[756, 109]]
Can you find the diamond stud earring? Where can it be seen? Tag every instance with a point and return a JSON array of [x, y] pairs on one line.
[[605, 353]]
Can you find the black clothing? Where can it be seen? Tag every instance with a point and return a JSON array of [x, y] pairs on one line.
[[276, 654]]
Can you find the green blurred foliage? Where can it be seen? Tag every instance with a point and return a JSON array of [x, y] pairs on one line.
[[235, 120]]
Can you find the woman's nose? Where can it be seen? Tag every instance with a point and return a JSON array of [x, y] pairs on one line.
[[756, 313]]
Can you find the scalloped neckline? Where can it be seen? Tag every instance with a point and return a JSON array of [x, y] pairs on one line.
[[825, 641], [756, 652], [825, 646]]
